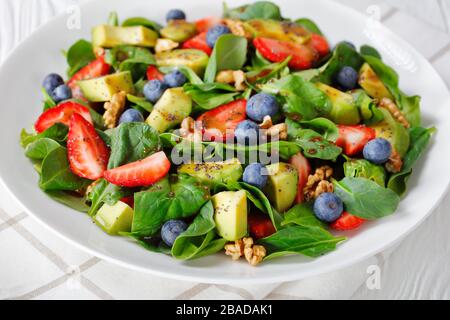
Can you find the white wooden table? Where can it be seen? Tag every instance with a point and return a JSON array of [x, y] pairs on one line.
[[35, 264]]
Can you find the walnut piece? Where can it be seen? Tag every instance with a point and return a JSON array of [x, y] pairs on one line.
[[165, 45], [114, 109], [318, 183], [395, 163], [190, 130], [275, 132], [238, 28], [390, 105], [236, 78], [267, 123], [247, 248]]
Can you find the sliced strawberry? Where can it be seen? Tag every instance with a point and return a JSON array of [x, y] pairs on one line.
[[347, 222], [219, 124], [321, 45], [260, 226], [303, 57], [141, 173], [205, 24], [353, 138], [129, 201], [198, 42], [62, 114], [154, 74], [304, 170], [88, 153], [95, 69]]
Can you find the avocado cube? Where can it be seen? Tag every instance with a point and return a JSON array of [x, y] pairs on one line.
[[102, 89], [179, 30], [115, 219], [280, 30], [372, 84], [282, 186], [107, 36], [171, 109], [215, 172], [195, 59], [230, 214]]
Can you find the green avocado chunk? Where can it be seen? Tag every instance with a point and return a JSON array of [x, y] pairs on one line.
[[282, 185], [115, 219], [107, 36], [102, 89], [179, 30], [230, 214], [195, 59], [216, 172]]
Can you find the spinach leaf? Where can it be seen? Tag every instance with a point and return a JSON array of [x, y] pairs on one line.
[[257, 10], [367, 50], [327, 128], [302, 215], [56, 173], [368, 108], [365, 198], [210, 95], [57, 132], [265, 72], [198, 237], [179, 196], [309, 241], [302, 100], [131, 142], [113, 19], [153, 244], [40, 148], [70, 200], [188, 72], [141, 102], [79, 55], [139, 21], [420, 139], [364, 169], [258, 61], [130, 58], [105, 192], [309, 25], [230, 53], [48, 101]]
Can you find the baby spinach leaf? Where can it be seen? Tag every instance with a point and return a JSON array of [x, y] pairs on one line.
[[230, 53], [327, 128], [48, 101], [188, 72], [141, 102], [177, 197], [309, 25], [257, 10], [210, 95], [302, 100], [365, 198], [130, 58], [40, 148], [56, 173], [70, 200], [367, 50], [79, 55], [113, 19], [140, 21], [420, 139], [57, 132], [131, 142], [105, 192], [364, 169], [153, 244], [368, 108], [310, 241], [196, 241], [266, 72], [301, 215]]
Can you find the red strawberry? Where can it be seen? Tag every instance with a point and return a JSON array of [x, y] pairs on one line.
[[62, 114], [129, 201], [353, 138], [207, 23], [303, 57], [88, 153], [347, 222], [321, 45], [198, 42], [154, 74], [141, 173], [304, 170], [219, 124], [95, 69], [260, 226]]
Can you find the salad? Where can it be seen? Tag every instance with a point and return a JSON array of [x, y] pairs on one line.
[[247, 134]]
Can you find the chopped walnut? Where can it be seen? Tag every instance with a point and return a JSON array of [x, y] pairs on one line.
[[238, 28], [114, 109], [165, 45], [395, 162], [267, 123], [275, 132], [190, 130], [246, 247], [318, 183], [237, 78], [390, 105]]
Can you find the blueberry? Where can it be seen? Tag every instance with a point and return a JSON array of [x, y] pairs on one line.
[[51, 82], [247, 132], [154, 89], [378, 151], [256, 175], [347, 78], [131, 115], [61, 93], [261, 105], [214, 33], [175, 14], [171, 230], [328, 207], [175, 79]]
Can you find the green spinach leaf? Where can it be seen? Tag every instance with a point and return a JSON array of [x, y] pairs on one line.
[[210, 95], [40, 148], [113, 19], [57, 132], [309, 25], [302, 215], [141, 102], [257, 10], [364, 169], [367, 50], [70, 200], [265, 72], [79, 55], [48, 101], [130, 58], [140, 21], [105, 192]]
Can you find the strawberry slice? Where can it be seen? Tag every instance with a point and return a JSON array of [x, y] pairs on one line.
[[260, 226], [198, 42], [219, 124], [141, 173], [88, 153], [347, 222], [304, 170], [129, 201], [205, 24], [321, 45], [61, 113], [303, 57], [95, 69], [154, 74], [353, 138]]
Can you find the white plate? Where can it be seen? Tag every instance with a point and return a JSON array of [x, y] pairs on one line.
[[21, 76]]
